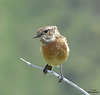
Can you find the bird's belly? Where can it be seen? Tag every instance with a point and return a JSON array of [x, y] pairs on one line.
[[54, 61], [54, 54]]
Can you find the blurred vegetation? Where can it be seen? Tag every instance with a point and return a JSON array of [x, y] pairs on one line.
[[77, 20]]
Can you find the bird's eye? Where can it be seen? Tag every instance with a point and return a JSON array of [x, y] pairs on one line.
[[45, 31]]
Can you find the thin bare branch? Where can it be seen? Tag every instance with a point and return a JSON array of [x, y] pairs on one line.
[[57, 75]]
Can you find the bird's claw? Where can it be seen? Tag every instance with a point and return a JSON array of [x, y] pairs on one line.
[[61, 78]]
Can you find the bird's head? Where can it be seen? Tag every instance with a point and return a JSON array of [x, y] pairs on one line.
[[47, 34]]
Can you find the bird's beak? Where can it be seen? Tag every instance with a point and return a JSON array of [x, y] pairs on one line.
[[37, 36]]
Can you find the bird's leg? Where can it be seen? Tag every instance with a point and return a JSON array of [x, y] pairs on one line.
[[47, 67], [61, 74]]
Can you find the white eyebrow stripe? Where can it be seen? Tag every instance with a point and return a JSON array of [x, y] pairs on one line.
[[39, 29], [49, 28]]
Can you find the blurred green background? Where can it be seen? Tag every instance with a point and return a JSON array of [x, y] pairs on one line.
[[77, 20]]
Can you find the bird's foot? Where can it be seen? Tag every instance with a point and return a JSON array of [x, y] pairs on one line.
[[45, 71], [47, 67], [61, 78]]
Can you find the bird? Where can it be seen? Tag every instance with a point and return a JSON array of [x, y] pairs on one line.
[[55, 48]]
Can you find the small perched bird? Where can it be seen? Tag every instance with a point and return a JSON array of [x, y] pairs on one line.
[[55, 48]]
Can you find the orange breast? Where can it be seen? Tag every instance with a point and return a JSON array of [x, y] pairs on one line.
[[55, 53]]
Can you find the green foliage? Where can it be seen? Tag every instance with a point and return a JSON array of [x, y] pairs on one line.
[[77, 20]]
